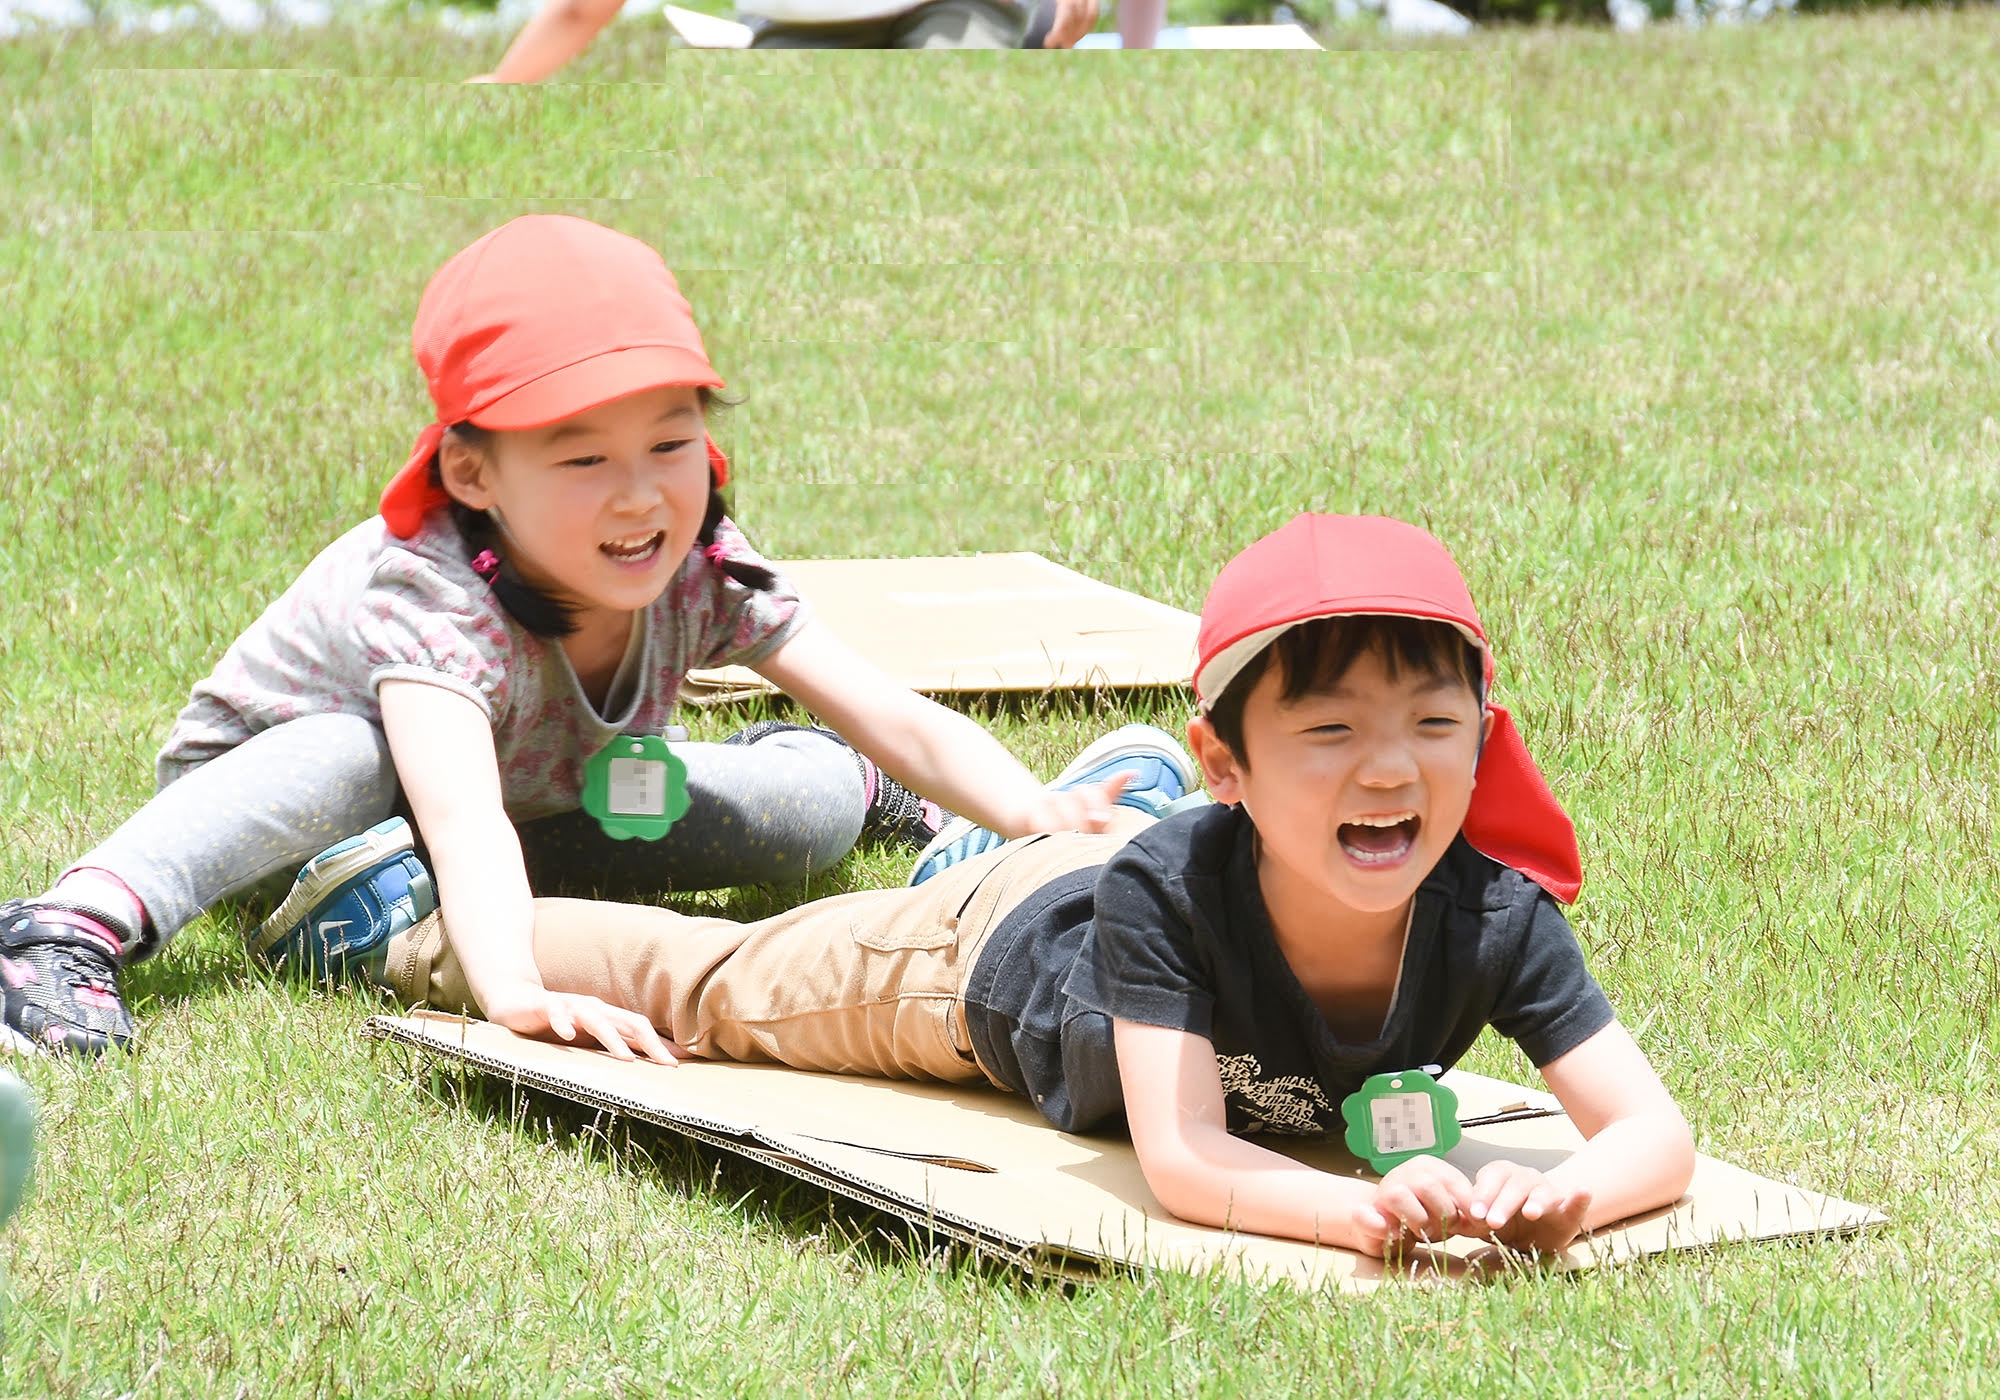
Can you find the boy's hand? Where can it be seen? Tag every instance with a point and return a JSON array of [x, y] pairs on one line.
[[1425, 1199], [1522, 1209], [526, 1009]]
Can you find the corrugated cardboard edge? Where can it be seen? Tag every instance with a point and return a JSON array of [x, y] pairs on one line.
[[1033, 1256], [818, 1161]]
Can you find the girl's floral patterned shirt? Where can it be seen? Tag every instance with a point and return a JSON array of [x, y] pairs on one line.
[[373, 607]]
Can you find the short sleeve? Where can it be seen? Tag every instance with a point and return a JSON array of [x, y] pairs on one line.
[[1146, 965], [741, 625], [414, 623], [1551, 1004]]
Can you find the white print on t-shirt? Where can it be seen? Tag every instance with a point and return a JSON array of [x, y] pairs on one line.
[[1291, 1103]]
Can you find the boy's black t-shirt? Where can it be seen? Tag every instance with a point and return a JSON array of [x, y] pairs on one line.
[[1172, 931]]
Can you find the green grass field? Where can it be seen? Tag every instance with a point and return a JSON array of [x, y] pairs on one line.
[[1687, 346]]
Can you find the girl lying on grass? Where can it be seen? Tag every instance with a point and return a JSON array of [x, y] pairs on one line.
[[1378, 885], [546, 568]]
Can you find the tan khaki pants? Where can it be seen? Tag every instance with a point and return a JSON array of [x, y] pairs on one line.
[[868, 983]]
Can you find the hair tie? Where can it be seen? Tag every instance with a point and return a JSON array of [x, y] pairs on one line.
[[486, 564], [715, 553]]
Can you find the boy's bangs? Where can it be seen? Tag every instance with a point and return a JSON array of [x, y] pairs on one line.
[[1314, 656]]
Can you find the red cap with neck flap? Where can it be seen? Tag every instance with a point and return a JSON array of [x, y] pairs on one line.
[[1351, 565], [543, 318]]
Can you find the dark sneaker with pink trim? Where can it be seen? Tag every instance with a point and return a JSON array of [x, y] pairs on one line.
[[894, 816], [58, 984]]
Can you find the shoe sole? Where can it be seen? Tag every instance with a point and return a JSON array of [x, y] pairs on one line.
[[327, 872], [1130, 741]]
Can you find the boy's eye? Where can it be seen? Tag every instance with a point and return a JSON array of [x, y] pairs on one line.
[[1330, 730], [1439, 721], [672, 444], [585, 461]]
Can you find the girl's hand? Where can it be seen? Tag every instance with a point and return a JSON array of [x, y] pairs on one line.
[[1089, 809], [527, 1009], [1524, 1210], [1424, 1200]]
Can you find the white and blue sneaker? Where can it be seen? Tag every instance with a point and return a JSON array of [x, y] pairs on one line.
[[1161, 776], [347, 903]]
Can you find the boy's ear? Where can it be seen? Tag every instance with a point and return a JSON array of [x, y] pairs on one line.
[[1221, 772], [466, 473]]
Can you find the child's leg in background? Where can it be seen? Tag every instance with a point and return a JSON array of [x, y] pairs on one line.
[[867, 983], [253, 814], [772, 811]]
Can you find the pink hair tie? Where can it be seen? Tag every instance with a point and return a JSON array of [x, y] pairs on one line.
[[486, 564], [715, 553]]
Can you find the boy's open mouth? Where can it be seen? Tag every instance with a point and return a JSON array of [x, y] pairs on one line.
[[1382, 840], [636, 550]]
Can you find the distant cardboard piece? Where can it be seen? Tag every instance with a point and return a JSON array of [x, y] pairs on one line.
[[983, 1167], [985, 622]]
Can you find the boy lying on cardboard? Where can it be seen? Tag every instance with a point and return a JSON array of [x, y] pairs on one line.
[[1377, 883]]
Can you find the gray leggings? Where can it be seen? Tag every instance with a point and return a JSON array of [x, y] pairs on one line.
[[771, 811]]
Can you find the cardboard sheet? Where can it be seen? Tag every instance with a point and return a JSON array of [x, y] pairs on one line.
[[981, 623], [983, 1167]]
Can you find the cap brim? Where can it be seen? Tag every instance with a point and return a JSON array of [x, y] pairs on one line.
[[1219, 670], [585, 385]]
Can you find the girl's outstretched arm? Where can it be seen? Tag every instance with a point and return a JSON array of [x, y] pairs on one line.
[[443, 748], [560, 31], [939, 752]]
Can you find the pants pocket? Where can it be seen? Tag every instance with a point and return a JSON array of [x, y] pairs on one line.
[[927, 936]]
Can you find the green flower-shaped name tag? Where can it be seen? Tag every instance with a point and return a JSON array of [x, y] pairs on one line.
[[635, 787], [1394, 1117]]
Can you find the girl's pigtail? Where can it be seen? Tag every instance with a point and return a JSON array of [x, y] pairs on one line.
[[748, 574], [537, 612]]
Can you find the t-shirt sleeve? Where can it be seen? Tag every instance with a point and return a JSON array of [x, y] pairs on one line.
[[740, 625], [1146, 964], [413, 623], [1552, 1004]]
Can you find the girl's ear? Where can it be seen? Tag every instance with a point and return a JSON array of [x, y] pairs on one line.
[[466, 472], [1221, 772]]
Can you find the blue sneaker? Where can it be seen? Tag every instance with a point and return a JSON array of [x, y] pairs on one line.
[[347, 903], [1161, 776]]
